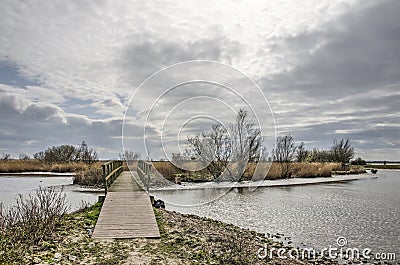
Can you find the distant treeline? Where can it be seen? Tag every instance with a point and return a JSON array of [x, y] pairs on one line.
[[61, 154], [384, 162]]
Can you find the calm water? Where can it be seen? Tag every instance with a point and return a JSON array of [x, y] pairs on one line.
[[365, 212], [11, 186]]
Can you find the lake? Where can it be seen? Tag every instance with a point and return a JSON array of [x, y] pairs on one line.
[[366, 212], [11, 186]]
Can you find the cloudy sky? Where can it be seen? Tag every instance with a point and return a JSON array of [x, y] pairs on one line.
[[69, 70]]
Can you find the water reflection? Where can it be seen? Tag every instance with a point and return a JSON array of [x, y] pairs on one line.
[[190, 198], [11, 186]]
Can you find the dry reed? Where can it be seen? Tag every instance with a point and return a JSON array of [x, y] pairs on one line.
[[267, 170], [16, 166]]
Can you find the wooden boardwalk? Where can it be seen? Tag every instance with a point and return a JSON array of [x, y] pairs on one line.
[[126, 212]]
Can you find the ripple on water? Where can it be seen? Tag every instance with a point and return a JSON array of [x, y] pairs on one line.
[[366, 212]]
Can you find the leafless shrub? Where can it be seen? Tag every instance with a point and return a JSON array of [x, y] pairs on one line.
[[130, 157], [5, 157], [34, 218]]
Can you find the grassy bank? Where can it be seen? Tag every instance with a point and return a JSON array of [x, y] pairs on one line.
[[185, 239]]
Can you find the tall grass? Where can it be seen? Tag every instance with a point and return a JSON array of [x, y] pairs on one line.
[[15, 166], [268, 171], [92, 176], [297, 170], [84, 174], [170, 171], [310, 170]]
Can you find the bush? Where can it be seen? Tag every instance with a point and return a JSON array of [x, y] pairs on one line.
[[359, 161], [30, 221]]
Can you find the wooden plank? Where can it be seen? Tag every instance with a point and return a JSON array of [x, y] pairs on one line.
[[126, 212]]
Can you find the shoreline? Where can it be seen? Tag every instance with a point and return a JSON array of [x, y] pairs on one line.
[[38, 174], [266, 183]]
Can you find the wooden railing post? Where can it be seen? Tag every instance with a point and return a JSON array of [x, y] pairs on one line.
[[144, 172], [104, 179], [148, 176], [111, 170]]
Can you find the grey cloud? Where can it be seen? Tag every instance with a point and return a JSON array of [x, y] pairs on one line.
[[149, 54], [355, 53], [370, 137], [344, 81], [31, 127]]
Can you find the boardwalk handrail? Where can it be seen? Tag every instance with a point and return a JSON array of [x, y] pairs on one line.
[[144, 172], [111, 170]]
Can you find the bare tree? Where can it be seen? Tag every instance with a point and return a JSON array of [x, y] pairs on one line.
[[301, 153], [213, 149], [129, 156], [5, 157], [284, 154], [285, 149], [317, 155], [240, 145], [246, 142], [39, 156], [85, 154], [342, 151], [23, 156]]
